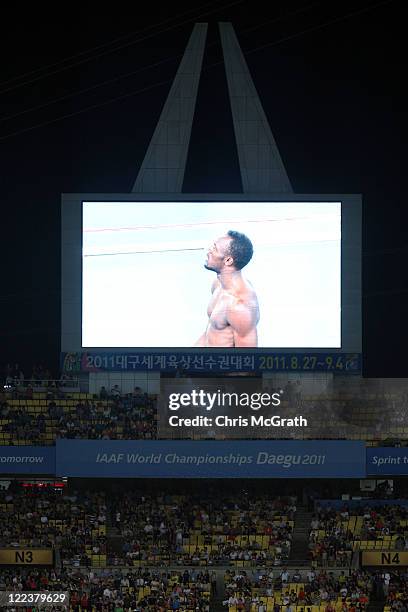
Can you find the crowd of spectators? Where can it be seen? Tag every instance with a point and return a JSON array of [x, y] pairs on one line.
[[285, 590], [130, 417], [335, 533], [204, 531], [184, 530], [107, 416], [198, 531], [263, 590], [20, 424], [330, 539], [140, 590], [111, 414], [395, 586], [73, 523], [13, 377]]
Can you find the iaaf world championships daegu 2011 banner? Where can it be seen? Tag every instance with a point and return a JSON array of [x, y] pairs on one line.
[[387, 461], [206, 459], [210, 459], [27, 460], [165, 361]]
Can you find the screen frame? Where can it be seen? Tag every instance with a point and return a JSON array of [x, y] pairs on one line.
[[71, 266]]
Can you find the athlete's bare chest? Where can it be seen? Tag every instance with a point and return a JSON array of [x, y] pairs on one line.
[[218, 308]]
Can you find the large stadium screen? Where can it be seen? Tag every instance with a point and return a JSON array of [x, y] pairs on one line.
[[211, 274]]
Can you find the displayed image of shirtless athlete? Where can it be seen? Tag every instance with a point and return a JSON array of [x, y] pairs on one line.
[[233, 311]]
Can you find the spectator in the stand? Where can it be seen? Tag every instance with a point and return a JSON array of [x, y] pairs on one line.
[[284, 576], [103, 394], [297, 577], [115, 391], [386, 578], [4, 410], [9, 382]]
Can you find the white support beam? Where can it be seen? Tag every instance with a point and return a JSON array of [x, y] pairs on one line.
[[262, 169], [163, 167]]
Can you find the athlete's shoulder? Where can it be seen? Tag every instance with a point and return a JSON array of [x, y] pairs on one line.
[[242, 314]]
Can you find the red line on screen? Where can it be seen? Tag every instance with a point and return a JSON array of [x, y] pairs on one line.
[[188, 225]]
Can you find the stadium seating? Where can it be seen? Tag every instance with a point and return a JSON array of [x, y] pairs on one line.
[[335, 535], [74, 524], [39, 417], [314, 592], [205, 531], [112, 590], [395, 586]]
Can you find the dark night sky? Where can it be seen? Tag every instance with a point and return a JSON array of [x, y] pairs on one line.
[[330, 77]]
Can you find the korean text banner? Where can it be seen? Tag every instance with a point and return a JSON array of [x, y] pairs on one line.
[[210, 459], [27, 460], [91, 361]]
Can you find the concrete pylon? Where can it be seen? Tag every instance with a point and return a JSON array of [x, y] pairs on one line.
[[163, 167], [262, 169]]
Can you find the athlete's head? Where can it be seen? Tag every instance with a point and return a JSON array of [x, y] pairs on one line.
[[232, 251]]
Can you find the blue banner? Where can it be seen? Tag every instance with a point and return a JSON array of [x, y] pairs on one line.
[[387, 461], [339, 504], [168, 361], [210, 459], [27, 460]]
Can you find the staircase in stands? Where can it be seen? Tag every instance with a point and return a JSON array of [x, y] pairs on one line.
[[299, 551]]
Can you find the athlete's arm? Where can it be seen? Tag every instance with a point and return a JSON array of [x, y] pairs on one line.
[[243, 319], [202, 341]]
